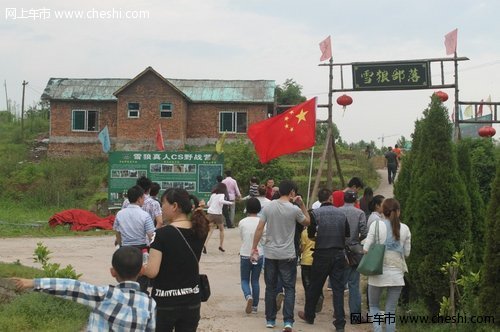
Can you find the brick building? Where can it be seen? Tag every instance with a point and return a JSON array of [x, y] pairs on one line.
[[191, 112]]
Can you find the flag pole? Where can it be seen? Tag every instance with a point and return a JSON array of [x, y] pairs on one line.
[[329, 138], [310, 175], [457, 119], [321, 164]]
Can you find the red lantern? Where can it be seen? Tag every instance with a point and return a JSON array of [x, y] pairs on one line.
[[487, 131], [442, 95], [344, 100]]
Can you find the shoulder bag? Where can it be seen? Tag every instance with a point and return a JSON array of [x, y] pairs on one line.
[[372, 262], [204, 284]]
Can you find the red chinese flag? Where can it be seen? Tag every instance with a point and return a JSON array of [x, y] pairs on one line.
[[479, 111], [291, 131], [160, 145]]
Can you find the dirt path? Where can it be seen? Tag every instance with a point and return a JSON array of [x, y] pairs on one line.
[[225, 309]]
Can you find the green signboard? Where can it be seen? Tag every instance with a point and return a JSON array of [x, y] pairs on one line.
[[391, 75], [194, 171]]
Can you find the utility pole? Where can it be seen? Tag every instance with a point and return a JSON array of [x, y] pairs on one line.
[[330, 138], [6, 96], [22, 109]]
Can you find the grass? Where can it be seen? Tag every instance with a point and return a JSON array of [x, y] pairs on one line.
[[31, 311], [42, 312]]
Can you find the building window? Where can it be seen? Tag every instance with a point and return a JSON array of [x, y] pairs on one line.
[[165, 110], [84, 120], [233, 122], [133, 110]]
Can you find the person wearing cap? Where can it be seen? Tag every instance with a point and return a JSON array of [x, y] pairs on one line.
[[358, 231], [330, 228], [354, 184]]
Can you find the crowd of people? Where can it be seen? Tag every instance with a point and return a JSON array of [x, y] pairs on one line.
[[160, 242], [285, 233]]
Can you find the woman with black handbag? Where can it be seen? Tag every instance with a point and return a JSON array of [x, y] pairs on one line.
[[173, 262]]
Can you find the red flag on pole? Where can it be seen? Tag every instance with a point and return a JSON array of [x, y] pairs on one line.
[[479, 111], [450, 42], [326, 49], [291, 131], [160, 145]]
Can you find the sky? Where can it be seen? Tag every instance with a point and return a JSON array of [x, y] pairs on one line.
[[256, 39]]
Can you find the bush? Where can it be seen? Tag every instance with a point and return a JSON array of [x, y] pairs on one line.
[[402, 185], [474, 250], [482, 156], [241, 159], [490, 283], [436, 212]]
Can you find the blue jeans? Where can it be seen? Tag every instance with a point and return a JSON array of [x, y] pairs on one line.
[[391, 302], [287, 270], [352, 276], [250, 274], [327, 262]]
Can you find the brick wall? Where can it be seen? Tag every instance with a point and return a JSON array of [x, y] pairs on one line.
[[61, 116], [203, 119], [150, 91]]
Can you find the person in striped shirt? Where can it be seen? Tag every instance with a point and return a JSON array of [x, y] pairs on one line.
[[114, 308]]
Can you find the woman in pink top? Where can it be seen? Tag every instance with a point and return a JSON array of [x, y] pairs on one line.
[[214, 213]]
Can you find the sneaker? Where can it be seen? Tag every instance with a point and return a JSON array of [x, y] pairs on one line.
[[279, 301], [254, 310], [270, 324], [248, 308], [302, 315], [288, 327]]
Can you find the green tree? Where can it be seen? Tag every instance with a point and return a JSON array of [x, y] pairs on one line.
[[437, 213], [289, 93], [483, 164], [474, 251], [242, 160], [322, 130], [490, 281], [402, 185]]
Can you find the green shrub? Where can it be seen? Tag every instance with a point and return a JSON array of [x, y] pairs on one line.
[[482, 156], [437, 213], [52, 270], [241, 159], [474, 251], [490, 283], [402, 185]]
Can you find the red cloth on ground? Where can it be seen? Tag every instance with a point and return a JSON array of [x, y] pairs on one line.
[[81, 220]]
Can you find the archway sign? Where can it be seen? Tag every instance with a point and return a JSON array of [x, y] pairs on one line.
[[397, 75]]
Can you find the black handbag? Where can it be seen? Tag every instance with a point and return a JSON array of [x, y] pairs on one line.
[[203, 284], [204, 288], [353, 254]]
